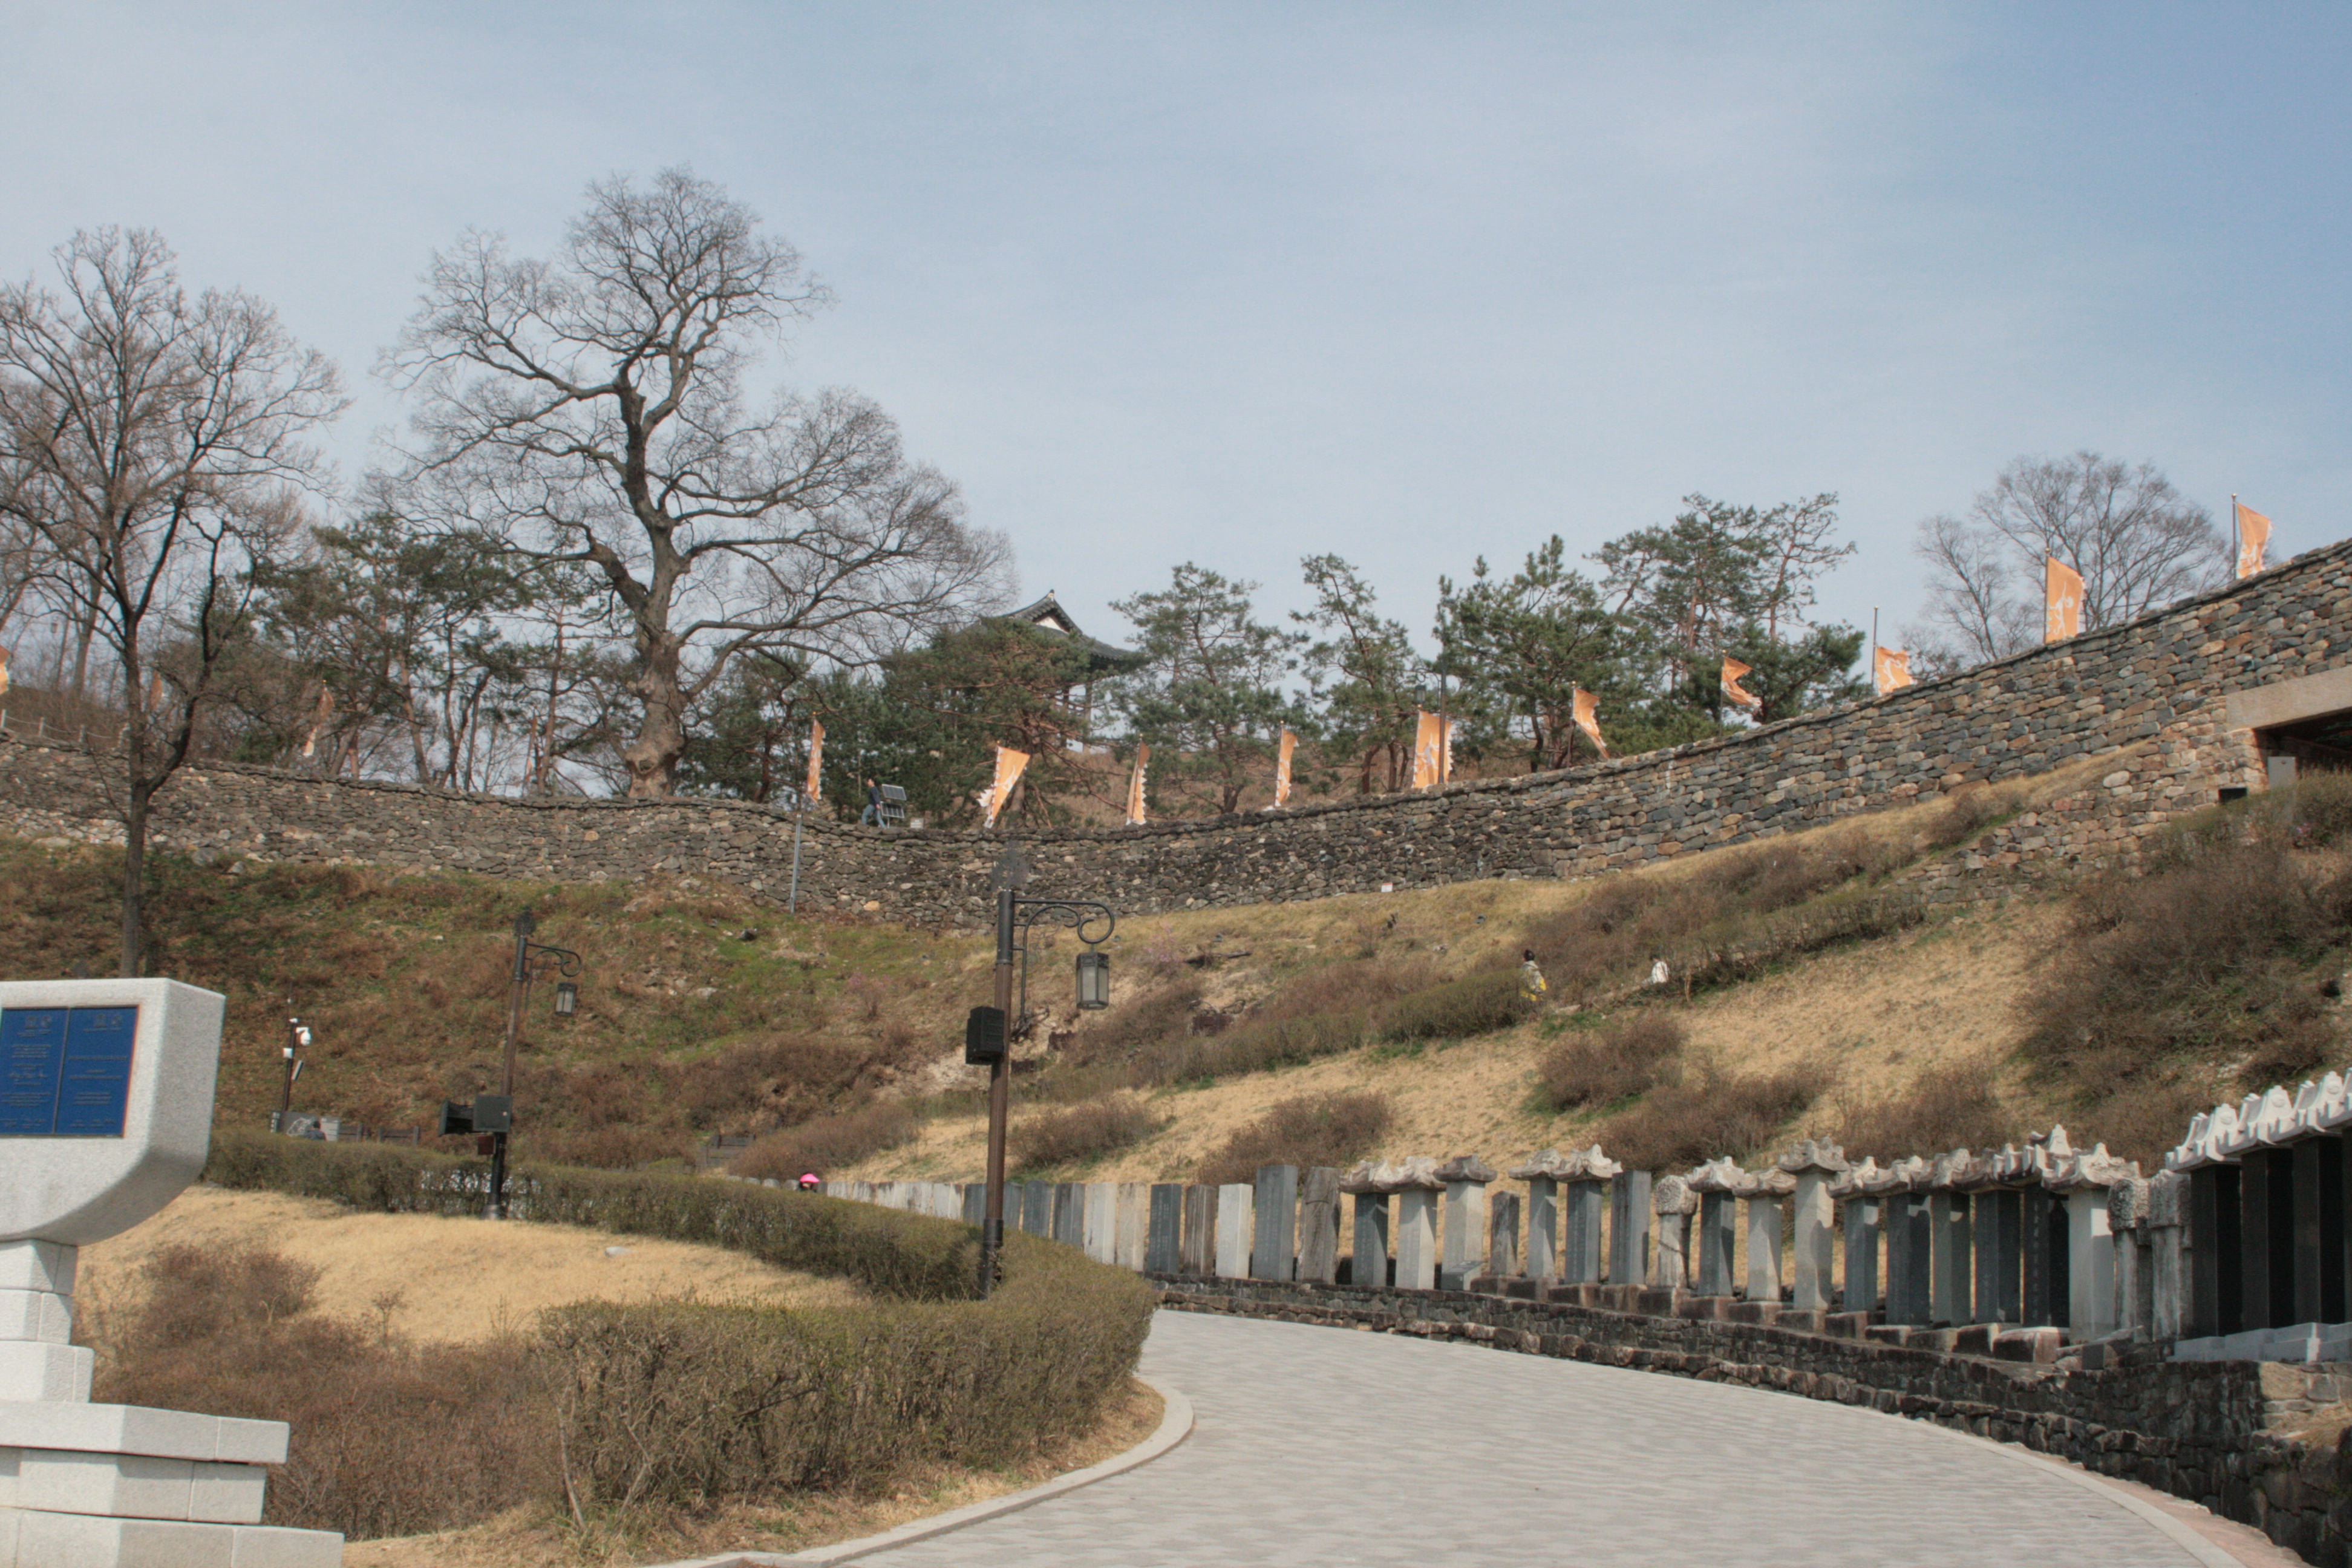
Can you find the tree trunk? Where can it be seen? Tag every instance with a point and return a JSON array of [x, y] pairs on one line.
[[134, 879], [653, 756]]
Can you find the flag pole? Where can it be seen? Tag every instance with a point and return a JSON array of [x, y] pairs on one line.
[[2236, 546], [1874, 652]]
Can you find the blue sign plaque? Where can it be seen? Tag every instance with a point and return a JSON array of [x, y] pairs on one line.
[[65, 1072]]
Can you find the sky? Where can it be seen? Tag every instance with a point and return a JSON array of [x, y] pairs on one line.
[[1410, 283]]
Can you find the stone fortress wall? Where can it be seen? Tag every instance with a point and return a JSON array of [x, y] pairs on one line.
[[2175, 700]]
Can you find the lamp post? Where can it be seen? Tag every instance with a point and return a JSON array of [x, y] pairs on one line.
[[298, 1037], [529, 958], [989, 1034]]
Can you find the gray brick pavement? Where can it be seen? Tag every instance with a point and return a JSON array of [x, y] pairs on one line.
[[1317, 1446]]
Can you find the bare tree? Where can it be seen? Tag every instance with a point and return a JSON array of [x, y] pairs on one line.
[[152, 445], [590, 408], [2137, 541]]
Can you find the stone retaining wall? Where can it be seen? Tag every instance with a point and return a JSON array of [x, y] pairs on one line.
[[2152, 696], [2207, 1431]]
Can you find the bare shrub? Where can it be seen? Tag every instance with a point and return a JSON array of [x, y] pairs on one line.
[[1077, 1134], [1609, 936], [1335, 1128], [1613, 1063], [2142, 1119], [1945, 1108], [1163, 1013], [388, 1439], [1473, 1004], [2208, 956], [829, 1142], [758, 1083], [1708, 1115]]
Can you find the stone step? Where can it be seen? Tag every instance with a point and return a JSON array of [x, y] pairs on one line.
[[132, 1486], [140, 1429], [35, 1537]]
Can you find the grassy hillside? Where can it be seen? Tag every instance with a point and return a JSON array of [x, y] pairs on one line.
[[1811, 991]]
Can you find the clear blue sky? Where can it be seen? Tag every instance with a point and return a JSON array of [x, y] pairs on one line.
[[1238, 283]]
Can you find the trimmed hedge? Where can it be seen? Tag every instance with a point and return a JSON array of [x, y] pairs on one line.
[[681, 1404]]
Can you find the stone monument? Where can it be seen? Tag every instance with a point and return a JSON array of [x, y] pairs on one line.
[[106, 1106]]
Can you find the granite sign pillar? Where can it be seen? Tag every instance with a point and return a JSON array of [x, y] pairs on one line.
[[1814, 1162], [1274, 1252], [1163, 1248], [1318, 1225], [1465, 1238], [1198, 1257]]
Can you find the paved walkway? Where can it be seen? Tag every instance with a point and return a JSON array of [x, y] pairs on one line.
[[1321, 1447]]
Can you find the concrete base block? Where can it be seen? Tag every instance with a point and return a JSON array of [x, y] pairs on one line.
[[1942, 1341], [131, 1486], [1620, 1298], [2040, 1344], [1522, 1289], [30, 1538], [1977, 1339], [1889, 1333], [1659, 1301], [2298, 1343], [34, 1372], [1705, 1309], [42, 1315], [1579, 1295], [1765, 1313], [37, 1266], [1804, 1319], [138, 1429]]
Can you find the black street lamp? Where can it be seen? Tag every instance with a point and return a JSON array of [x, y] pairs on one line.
[[530, 958], [990, 1031]]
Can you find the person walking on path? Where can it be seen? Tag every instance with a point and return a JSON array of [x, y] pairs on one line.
[[872, 814], [1532, 979]]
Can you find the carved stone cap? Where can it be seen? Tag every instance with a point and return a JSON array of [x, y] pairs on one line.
[[1576, 1165], [1949, 1170], [1815, 1154], [1465, 1168], [1672, 1196], [1723, 1176], [1417, 1173], [1361, 1178], [2090, 1171], [1549, 1165], [1865, 1180], [1770, 1183]]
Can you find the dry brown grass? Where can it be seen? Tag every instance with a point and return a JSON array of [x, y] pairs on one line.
[[433, 1279], [1306, 1130]]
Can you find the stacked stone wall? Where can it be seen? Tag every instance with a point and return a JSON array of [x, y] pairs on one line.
[[2150, 697]]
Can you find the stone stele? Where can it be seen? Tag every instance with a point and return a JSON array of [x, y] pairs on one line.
[[106, 1110]]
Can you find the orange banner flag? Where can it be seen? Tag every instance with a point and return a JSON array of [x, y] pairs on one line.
[[1587, 707], [4, 672], [1009, 763], [1428, 750], [2254, 538], [1135, 787], [1732, 671], [2062, 590], [1281, 756], [816, 762], [1891, 669]]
